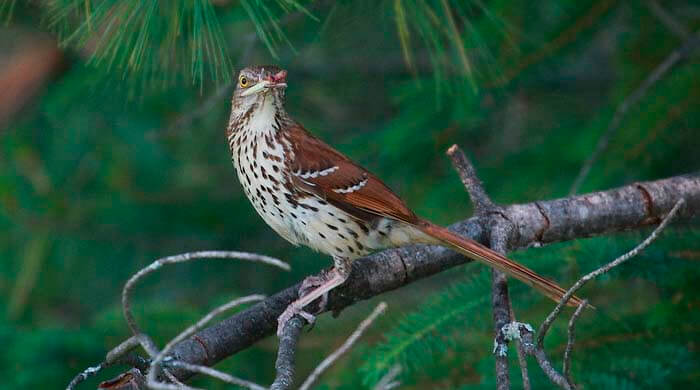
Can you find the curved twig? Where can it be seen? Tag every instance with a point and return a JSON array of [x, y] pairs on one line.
[[544, 328], [181, 258]]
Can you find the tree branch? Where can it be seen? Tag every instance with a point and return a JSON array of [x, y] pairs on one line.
[[500, 233], [467, 173], [524, 331], [607, 267], [500, 300], [286, 353], [630, 207]]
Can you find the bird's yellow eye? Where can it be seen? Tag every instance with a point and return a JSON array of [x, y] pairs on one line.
[[243, 81]]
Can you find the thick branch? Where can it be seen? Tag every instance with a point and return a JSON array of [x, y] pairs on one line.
[[629, 207]]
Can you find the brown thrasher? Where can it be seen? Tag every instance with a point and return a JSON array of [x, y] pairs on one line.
[[311, 194]]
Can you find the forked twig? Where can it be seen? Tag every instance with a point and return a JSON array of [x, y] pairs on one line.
[[121, 353], [544, 328], [565, 381], [524, 332]]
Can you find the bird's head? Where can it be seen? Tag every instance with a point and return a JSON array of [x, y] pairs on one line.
[[257, 83]]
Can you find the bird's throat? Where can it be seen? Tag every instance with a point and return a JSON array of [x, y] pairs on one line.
[[264, 117]]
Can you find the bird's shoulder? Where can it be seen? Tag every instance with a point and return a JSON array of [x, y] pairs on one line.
[[319, 169]]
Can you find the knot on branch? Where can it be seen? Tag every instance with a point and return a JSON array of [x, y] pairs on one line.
[[515, 330]]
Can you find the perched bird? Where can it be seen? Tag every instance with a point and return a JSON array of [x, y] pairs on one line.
[[313, 195]]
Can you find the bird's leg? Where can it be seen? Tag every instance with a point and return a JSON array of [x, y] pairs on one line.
[[312, 282], [334, 278]]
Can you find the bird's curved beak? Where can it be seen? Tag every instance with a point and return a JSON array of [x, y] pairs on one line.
[[278, 80]]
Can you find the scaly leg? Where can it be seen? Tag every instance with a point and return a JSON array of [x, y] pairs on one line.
[[337, 276]]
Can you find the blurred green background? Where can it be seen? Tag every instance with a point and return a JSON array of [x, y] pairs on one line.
[[113, 154]]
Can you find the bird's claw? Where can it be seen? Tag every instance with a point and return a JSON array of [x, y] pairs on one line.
[[309, 284], [292, 310]]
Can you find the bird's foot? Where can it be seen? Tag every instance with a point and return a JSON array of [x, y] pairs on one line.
[[313, 282], [294, 308], [309, 286]]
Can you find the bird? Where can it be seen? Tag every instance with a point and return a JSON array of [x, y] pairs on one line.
[[311, 194]]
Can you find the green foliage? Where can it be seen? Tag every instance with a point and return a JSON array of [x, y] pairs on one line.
[[151, 39], [121, 159], [423, 336]]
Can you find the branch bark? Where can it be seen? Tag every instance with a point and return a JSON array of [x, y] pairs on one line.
[[630, 207], [500, 232]]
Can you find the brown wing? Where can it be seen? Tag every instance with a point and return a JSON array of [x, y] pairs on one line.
[[319, 169]]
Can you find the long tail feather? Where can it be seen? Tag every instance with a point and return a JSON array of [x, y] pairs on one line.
[[476, 251]]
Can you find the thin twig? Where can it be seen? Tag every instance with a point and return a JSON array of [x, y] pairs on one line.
[[549, 369], [181, 258], [158, 359], [147, 344], [222, 376], [667, 19], [566, 366], [122, 349], [467, 173], [330, 359], [86, 373], [680, 53], [607, 267], [286, 353]]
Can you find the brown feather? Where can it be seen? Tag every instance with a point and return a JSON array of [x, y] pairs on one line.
[[313, 155], [374, 199], [476, 251]]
